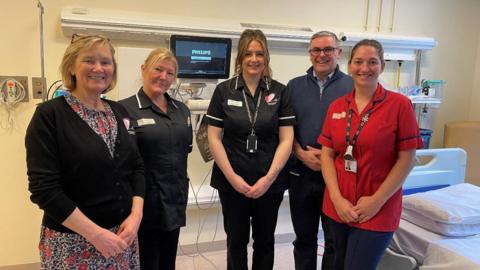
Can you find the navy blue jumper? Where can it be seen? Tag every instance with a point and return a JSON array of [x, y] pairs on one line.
[[306, 186]]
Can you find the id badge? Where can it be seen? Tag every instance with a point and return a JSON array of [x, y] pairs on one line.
[[351, 166], [252, 143]]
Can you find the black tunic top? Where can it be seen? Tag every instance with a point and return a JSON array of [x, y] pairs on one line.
[[164, 140], [227, 110]]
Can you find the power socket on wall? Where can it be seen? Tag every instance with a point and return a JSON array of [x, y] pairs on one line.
[[21, 79], [37, 87]]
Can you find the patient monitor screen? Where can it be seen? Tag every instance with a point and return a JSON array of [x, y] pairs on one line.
[[202, 57]]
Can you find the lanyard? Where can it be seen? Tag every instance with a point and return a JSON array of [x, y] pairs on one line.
[[252, 121], [349, 151], [350, 163], [360, 127]]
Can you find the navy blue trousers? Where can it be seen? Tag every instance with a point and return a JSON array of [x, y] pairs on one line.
[[239, 212], [306, 200], [357, 249], [158, 249]]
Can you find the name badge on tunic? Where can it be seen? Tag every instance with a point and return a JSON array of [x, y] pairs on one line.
[[351, 166], [145, 121], [350, 162], [235, 103]]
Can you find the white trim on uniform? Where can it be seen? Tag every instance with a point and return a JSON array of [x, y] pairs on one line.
[[214, 118], [174, 105], [138, 101]]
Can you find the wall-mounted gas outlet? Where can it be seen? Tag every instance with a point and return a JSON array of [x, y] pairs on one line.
[[37, 87], [21, 79]]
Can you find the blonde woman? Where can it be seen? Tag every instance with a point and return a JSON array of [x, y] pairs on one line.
[[84, 171], [164, 137]]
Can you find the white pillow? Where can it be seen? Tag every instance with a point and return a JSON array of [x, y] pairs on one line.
[[452, 230], [451, 211]]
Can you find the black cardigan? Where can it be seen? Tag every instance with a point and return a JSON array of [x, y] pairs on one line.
[[69, 166]]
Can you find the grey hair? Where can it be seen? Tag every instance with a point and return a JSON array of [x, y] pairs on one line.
[[326, 34]]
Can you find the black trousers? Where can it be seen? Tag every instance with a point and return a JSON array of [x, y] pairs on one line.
[[158, 249], [306, 200], [239, 212]]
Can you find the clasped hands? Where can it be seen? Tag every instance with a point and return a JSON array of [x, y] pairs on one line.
[[110, 244], [309, 156], [255, 191], [366, 208]]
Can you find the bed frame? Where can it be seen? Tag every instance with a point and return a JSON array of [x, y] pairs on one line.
[[444, 167]]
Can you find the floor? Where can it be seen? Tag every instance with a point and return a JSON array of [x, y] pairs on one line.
[[217, 260]]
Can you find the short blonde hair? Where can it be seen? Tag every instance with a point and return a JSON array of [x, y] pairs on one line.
[[78, 44], [161, 54], [247, 36]]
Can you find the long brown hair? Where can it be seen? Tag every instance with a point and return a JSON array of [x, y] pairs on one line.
[[247, 36]]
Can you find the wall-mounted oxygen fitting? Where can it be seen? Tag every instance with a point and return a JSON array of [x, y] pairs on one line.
[[12, 91]]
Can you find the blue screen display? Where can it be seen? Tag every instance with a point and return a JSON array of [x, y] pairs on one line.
[[202, 57]]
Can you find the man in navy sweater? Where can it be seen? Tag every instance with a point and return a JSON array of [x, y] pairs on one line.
[[311, 95]]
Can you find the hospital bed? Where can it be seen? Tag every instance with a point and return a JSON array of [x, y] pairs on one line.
[[422, 242]]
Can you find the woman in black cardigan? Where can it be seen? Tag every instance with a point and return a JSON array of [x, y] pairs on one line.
[[84, 170]]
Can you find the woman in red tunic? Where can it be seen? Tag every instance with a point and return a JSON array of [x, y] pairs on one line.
[[368, 148]]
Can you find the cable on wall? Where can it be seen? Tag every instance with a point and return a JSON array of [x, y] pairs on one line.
[[380, 9], [202, 221], [41, 12], [365, 27], [57, 87], [393, 15]]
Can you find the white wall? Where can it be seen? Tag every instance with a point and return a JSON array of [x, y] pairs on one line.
[[474, 114], [455, 26], [453, 23]]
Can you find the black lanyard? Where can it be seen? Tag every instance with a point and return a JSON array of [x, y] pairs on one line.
[[350, 144], [360, 127], [254, 120]]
